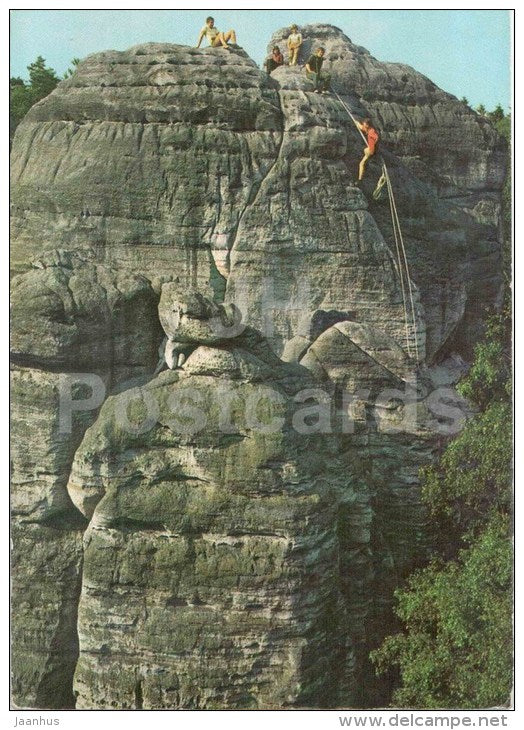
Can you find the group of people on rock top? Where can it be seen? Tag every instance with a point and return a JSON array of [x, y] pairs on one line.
[[321, 80]]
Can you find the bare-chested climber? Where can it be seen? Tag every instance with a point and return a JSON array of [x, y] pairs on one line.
[[373, 139], [215, 37]]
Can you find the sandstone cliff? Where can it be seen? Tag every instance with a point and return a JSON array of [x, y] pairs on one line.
[[158, 568]]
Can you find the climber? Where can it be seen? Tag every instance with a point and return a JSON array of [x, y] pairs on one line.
[[215, 37], [373, 141], [294, 42], [321, 80], [275, 60]]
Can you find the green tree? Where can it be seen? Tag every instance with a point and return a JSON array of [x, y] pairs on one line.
[[42, 80], [481, 109], [70, 71], [456, 650], [23, 95], [20, 101], [497, 114], [489, 378]]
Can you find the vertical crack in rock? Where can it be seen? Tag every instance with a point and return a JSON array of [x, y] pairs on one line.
[[55, 690], [139, 700], [255, 189]]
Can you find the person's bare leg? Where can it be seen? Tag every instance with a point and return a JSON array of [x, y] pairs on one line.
[[362, 168], [220, 41], [363, 163], [230, 36]]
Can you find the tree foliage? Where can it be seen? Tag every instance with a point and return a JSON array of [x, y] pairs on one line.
[[497, 115], [472, 480], [489, 378], [70, 71], [457, 645], [42, 81]]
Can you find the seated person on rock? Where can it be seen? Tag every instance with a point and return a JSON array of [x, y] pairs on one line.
[[294, 42], [275, 60], [215, 37], [373, 140], [314, 72]]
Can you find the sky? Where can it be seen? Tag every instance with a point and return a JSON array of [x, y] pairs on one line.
[[465, 52]]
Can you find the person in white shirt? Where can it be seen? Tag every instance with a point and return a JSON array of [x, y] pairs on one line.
[[214, 36], [294, 42]]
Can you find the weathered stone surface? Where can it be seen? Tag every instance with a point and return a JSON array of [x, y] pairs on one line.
[[308, 242], [72, 313], [450, 203], [356, 356], [429, 129], [216, 571], [47, 571], [47, 541], [138, 156], [231, 568]]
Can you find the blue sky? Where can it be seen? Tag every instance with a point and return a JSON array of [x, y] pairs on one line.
[[465, 52]]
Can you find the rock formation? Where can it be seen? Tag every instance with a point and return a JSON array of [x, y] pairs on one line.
[[208, 581], [180, 201]]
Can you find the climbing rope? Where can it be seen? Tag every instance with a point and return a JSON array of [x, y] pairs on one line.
[[351, 116], [400, 267], [402, 258], [402, 261]]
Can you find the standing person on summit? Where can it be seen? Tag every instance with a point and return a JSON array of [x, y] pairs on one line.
[[321, 80], [294, 42], [373, 140], [215, 37]]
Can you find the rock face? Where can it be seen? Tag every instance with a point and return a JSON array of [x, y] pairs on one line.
[[183, 223], [210, 581], [447, 171]]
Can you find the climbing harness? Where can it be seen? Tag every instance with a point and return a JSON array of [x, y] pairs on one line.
[[402, 261]]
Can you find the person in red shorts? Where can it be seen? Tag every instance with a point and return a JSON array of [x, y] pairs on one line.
[[373, 140]]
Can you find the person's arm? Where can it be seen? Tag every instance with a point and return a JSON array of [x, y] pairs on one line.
[[299, 41], [202, 33], [308, 68]]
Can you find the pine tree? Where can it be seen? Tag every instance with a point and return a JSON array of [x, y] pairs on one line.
[[23, 95]]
